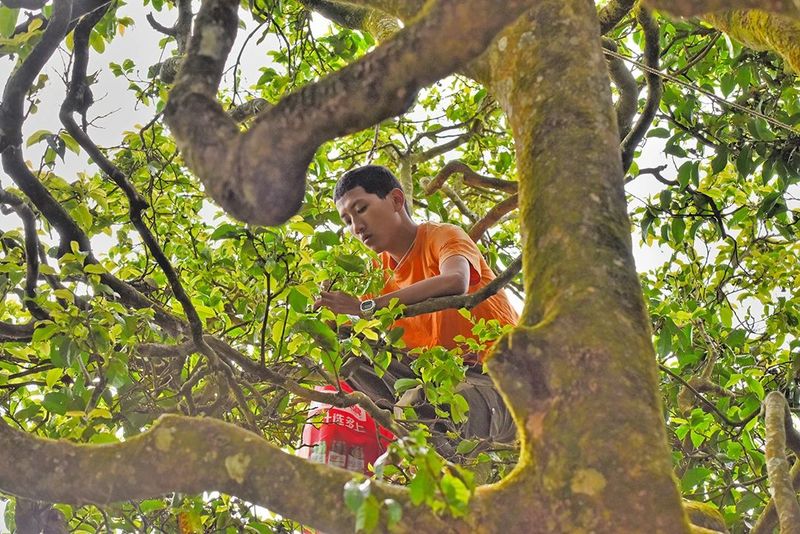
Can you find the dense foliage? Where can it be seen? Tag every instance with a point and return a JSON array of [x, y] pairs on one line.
[[713, 189]]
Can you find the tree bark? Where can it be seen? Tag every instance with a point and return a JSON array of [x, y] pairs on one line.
[[579, 373]]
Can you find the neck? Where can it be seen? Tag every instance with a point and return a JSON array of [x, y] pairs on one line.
[[404, 240]]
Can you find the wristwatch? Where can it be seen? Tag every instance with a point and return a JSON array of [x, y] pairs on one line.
[[367, 307]]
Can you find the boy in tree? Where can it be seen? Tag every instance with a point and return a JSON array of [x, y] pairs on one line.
[[420, 261]]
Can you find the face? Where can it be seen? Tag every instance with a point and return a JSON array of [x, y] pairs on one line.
[[370, 218]]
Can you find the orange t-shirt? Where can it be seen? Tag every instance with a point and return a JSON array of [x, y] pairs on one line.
[[433, 245]]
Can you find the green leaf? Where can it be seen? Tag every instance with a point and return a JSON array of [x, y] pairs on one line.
[[38, 136], [321, 332], [297, 300], [53, 376], [466, 446], [55, 402], [736, 338], [82, 216], [659, 132], [720, 161], [350, 263], [70, 142], [456, 493], [772, 204], [8, 21], [355, 493], [755, 386], [44, 332], [402, 385], [678, 228], [421, 487], [226, 231], [744, 163], [368, 515], [394, 511], [97, 42]]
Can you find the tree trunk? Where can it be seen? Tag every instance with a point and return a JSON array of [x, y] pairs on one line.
[[579, 373]]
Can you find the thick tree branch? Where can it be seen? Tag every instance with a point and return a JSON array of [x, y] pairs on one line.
[[768, 519], [16, 332], [471, 178], [466, 301], [689, 8], [628, 100], [373, 21], [191, 455], [762, 31], [259, 176], [655, 87], [495, 214], [12, 116], [784, 494], [183, 26], [405, 10], [612, 13]]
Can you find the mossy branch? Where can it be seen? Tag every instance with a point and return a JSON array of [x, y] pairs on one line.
[[768, 519], [762, 31], [690, 8], [784, 494], [190, 455], [259, 176], [612, 13]]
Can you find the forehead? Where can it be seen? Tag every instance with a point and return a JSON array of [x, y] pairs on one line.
[[347, 200]]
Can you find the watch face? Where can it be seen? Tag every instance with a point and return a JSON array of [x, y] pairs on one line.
[[367, 305]]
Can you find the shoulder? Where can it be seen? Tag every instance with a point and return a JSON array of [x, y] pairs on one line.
[[443, 231]]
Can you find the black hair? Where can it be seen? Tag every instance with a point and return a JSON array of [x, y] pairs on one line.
[[375, 179]]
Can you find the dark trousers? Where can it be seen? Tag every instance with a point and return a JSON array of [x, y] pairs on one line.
[[488, 417]]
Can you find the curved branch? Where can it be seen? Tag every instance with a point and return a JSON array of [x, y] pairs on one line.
[[12, 117], [495, 214], [373, 21], [655, 86], [768, 519], [259, 176], [612, 13], [466, 301], [786, 504], [31, 251], [182, 28], [137, 204], [157, 26], [16, 332], [690, 8], [190, 455], [471, 178], [628, 100]]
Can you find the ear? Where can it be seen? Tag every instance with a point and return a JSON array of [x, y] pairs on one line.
[[398, 199]]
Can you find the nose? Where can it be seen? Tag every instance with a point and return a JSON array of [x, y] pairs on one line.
[[357, 227]]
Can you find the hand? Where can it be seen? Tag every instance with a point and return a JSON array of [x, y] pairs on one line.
[[339, 302]]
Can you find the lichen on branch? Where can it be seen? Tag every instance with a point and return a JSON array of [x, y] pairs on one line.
[[189, 455], [689, 8], [762, 31]]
